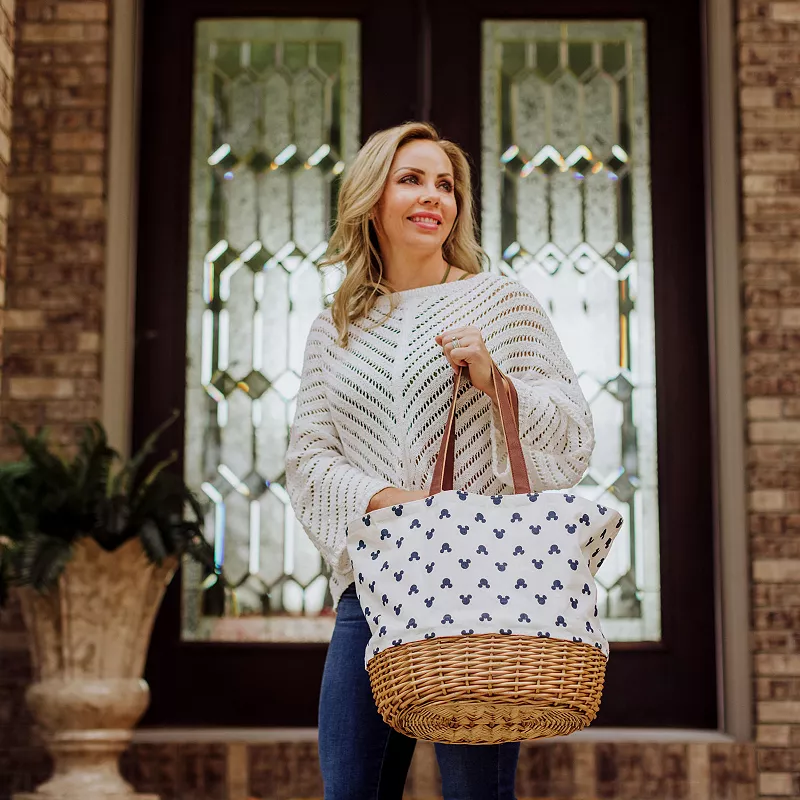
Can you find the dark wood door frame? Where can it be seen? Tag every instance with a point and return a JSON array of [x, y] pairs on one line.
[[415, 66]]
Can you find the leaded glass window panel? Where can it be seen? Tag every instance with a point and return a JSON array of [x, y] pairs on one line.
[[566, 211], [276, 121]]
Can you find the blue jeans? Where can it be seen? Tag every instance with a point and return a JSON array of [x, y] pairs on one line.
[[362, 758]]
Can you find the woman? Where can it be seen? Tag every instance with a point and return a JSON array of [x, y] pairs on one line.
[[371, 409]]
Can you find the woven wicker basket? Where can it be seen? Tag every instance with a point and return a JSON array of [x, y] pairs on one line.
[[489, 688]]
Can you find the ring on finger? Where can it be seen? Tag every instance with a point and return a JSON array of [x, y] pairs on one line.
[[455, 342]]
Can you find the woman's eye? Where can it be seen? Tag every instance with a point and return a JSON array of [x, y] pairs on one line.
[[444, 185]]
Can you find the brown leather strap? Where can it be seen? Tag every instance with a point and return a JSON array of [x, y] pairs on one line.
[[451, 445], [509, 418]]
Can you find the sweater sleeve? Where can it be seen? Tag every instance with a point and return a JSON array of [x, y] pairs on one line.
[[325, 489], [555, 422]]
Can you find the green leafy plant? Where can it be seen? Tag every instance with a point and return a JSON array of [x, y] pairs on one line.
[[48, 501]]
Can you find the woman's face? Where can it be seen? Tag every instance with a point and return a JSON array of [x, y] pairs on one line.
[[418, 206]]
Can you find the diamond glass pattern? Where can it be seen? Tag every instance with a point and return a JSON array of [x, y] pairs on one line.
[[566, 210], [276, 120]]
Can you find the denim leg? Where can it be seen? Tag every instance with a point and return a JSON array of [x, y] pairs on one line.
[[478, 772], [361, 757]]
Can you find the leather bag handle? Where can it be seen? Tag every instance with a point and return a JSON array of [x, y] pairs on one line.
[[509, 413]]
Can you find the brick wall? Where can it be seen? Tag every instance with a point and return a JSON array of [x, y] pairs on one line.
[[16, 757], [564, 770], [769, 48], [6, 87], [52, 288], [57, 225]]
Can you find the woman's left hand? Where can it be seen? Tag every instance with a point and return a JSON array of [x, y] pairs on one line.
[[470, 353]]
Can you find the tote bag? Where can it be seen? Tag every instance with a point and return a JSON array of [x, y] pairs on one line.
[[483, 609]]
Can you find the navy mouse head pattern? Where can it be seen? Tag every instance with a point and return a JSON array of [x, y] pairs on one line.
[[420, 568]]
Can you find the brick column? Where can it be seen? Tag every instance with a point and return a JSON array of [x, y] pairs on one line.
[[769, 42], [15, 756], [6, 88], [52, 289], [57, 226]]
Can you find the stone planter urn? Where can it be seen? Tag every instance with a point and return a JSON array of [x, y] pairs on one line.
[[89, 638]]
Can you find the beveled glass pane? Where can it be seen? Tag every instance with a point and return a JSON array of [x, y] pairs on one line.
[[276, 121], [566, 211]]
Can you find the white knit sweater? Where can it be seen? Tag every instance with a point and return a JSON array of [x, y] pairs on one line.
[[371, 415]]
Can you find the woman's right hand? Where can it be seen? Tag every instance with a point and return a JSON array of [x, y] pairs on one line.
[[392, 496]]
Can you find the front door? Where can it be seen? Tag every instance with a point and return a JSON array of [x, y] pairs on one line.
[[584, 130]]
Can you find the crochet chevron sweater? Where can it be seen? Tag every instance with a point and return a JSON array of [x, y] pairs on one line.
[[371, 415]]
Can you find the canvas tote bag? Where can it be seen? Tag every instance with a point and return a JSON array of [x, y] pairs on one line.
[[483, 609]]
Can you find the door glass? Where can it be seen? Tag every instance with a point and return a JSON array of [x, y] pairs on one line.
[[275, 122], [566, 211]]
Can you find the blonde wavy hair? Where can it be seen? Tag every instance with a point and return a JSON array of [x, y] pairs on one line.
[[355, 242]]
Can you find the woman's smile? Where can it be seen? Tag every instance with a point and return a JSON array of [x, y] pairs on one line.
[[427, 221]]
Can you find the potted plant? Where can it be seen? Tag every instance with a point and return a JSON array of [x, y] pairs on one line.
[[90, 544]]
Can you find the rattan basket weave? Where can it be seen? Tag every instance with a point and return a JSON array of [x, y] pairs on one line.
[[488, 688]]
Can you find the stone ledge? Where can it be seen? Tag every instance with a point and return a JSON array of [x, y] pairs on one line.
[[265, 735], [37, 796]]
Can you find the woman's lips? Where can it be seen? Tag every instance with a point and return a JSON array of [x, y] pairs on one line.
[[425, 223]]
